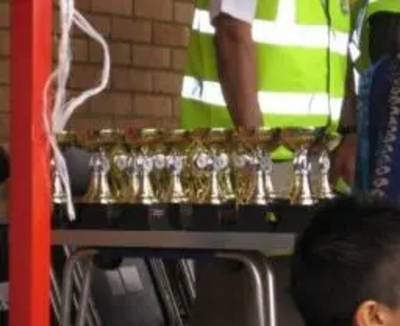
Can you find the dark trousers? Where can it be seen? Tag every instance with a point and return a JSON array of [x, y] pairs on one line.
[[224, 296]]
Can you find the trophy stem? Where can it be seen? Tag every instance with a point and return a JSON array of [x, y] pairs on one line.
[[259, 196], [324, 187], [296, 182], [177, 194], [105, 190], [143, 164], [99, 189], [58, 194], [304, 197], [300, 193], [215, 198], [266, 166], [134, 185], [269, 188], [134, 178], [229, 192], [295, 185], [146, 193]]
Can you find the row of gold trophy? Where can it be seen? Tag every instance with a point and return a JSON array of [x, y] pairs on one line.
[[205, 166]]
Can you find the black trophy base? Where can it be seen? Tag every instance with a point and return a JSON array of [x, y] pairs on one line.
[[210, 218], [138, 217], [59, 217], [98, 216], [229, 220], [178, 215], [293, 218], [4, 317], [256, 218]]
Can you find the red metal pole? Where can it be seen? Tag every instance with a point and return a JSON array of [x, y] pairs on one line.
[[31, 22]]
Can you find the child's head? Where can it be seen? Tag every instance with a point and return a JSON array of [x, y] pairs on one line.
[[346, 266]]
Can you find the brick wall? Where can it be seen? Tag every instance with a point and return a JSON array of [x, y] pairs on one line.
[[147, 40]]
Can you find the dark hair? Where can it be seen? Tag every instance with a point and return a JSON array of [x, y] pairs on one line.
[[348, 254], [384, 38]]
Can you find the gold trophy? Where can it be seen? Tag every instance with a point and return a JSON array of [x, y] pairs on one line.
[[214, 209], [255, 146], [65, 139], [227, 173], [100, 191], [141, 209], [244, 179], [299, 140], [58, 191], [212, 160], [248, 156], [177, 142], [145, 161], [253, 177], [195, 181], [118, 156], [265, 141], [133, 175], [60, 218], [324, 147]]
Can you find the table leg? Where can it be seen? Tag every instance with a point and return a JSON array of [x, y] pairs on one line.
[[256, 273], [67, 284]]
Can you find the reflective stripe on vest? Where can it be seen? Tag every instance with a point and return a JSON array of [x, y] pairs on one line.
[[282, 103], [283, 32]]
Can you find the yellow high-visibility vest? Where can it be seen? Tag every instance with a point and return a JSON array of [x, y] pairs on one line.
[[294, 45]]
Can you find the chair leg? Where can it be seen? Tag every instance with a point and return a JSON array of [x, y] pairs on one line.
[[67, 283]]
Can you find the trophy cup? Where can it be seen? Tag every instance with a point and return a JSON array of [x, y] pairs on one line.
[[299, 140], [264, 141], [99, 207], [324, 146], [294, 215], [118, 156], [133, 176], [213, 160], [213, 211], [142, 209], [257, 144], [243, 175], [227, 173], [195, 181], [177, 201], [145, 160], [176, 141], [65, 140]]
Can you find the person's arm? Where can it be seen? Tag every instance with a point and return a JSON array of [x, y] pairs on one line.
[[348, 118], [237, 68], [344, 158]]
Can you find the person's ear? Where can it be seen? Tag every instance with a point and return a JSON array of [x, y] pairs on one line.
[[372, 313]]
